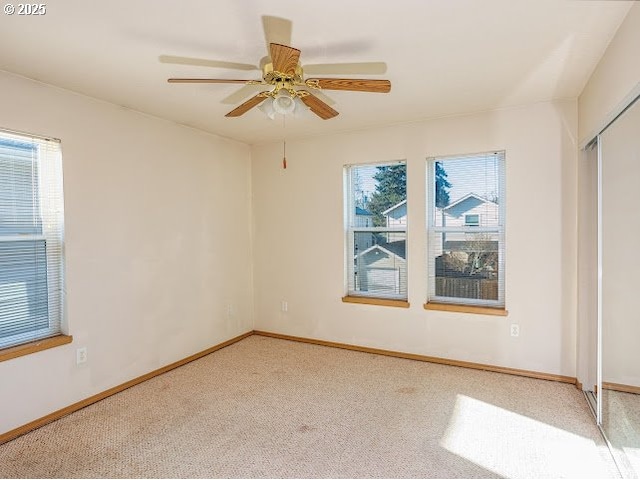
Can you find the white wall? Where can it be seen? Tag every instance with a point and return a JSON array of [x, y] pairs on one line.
[[541, 159], [616, 77], [158, 242]]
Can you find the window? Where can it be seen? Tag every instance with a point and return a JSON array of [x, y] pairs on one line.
[[466, 212], [472, 220], [376, 230], [31, 239]]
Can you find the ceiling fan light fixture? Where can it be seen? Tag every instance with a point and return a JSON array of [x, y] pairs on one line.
[[301, 110], [266, 107], [284, 103]]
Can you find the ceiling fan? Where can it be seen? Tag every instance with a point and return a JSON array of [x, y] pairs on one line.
[[288, 87]]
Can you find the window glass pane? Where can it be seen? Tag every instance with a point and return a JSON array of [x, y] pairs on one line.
[[467, 265], [379, 194], [381, 268], [19, 193], [23, 287]]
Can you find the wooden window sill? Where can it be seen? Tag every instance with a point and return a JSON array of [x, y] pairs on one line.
[[449, 307], [385, 302], [33, 347]]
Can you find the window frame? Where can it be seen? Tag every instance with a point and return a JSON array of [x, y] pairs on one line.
[[354, 295], [469, 305], [50, 207]]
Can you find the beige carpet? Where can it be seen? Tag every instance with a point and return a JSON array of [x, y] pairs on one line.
[[273, 408]]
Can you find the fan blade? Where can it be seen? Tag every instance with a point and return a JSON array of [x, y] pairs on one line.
[[364, 68], [284, 59], [318, 107], [246, 106], [202, 62], [276, 30], [205, 80], [354, 85]]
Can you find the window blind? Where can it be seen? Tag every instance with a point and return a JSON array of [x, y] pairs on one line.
[[31, 239], [466, 229], [376, 230]]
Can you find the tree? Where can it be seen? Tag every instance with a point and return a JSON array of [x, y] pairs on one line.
[[391, 189], [442, 184], [442, 194]]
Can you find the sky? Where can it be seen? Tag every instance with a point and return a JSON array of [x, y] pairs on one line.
[[477, 174]]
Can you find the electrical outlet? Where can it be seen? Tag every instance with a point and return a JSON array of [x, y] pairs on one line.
[[515, 330], [284, 306], [81, 355]]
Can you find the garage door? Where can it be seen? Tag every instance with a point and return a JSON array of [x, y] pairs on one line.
[[385, 281]]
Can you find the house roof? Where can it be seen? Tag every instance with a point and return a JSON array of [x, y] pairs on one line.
[[362, 211], [467, 197], [395, 249], [398, 248], [397, 205]]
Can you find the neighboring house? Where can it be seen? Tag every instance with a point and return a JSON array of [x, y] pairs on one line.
[[363, 218], [469, 211], [382, 269], [396, 216]]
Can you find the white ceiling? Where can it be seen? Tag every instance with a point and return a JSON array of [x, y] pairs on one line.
[[443, 57]]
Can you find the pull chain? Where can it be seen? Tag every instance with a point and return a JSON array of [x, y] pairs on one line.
[[284, 144], [284, 154]]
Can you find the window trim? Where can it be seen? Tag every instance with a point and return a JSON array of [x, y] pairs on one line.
[[386, 302], [9, 353], [453, 307], [468, 305], [349, 231]]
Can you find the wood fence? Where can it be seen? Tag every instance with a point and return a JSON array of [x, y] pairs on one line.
[[479, 288]]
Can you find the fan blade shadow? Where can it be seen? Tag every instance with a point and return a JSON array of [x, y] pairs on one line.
[[276, 30], [241, 94], [203, 62], [332, 49], [325, 98], [362, 68]]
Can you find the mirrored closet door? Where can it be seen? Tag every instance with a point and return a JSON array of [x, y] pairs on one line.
[[619, 231]]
